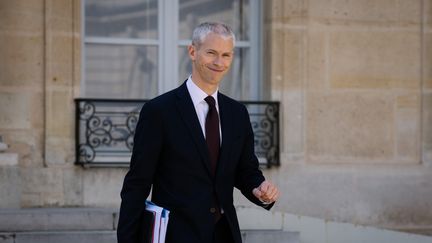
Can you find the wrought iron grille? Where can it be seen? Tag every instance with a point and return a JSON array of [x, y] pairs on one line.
[[105, 129]]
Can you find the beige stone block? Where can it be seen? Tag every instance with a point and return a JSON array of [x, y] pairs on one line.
[[408, 136], [267, 55], [293, 53], [42, 186], [102, 187], [427, 10], [60, 49], [286, 59], [374, 60], [23, 5], [290, 12], [316, 60], [15, 21], [73, 186], [62, 16], [408, 101], [60, 25], [77, 17], [60, 114], [427, 61], [409, 12], [8, 159], [37, 110], [60, 74], [21, 59], [27, 143], [349, 127], [10, 187], [292, 135], [60, 8], [60, 56], [408, 128], [365, 12], [273, 10], [277, 60], [77, 67], [21, 15], [60, 150], [42, 180], [427, 129], [15, 113], [29, 200], [59, 142]]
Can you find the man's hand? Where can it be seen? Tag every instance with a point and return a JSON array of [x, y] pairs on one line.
[[266, 192]]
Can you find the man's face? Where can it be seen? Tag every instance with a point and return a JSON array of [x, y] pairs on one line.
[[212, 59]]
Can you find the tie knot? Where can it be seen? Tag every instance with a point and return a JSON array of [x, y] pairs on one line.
[[210, 101]]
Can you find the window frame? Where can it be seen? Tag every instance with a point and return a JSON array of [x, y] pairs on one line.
[[168, 43]]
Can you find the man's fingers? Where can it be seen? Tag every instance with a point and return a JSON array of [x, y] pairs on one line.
[[271, 194], [266, 192], [257, 192], [264, 186]]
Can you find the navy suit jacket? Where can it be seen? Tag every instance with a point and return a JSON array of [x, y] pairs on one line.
[[170, 157]]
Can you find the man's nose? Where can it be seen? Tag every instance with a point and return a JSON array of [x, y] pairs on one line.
[[218, 61]]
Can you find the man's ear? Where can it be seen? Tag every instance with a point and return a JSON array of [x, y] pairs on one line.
[[192, 52]]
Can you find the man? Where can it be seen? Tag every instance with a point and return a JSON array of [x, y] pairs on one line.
[[194, 145]]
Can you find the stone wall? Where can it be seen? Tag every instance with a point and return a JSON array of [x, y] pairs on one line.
[[427, 83], [354, 79], [40, 72], [21, 94]]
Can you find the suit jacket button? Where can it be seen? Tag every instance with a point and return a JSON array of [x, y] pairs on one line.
[[212, 210]]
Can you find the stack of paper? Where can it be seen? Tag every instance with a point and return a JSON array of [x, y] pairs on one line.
[[159, 223]]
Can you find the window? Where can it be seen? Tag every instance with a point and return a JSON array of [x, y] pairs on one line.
[[138, 48]]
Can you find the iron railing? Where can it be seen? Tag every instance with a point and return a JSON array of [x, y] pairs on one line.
[[105, 130]]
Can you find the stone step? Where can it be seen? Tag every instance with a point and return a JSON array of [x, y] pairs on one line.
[[249, 236], [270, 236], [72, 225], [59, 237], [61, 219]]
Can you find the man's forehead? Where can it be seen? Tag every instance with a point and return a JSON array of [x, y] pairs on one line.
[[231, 51]]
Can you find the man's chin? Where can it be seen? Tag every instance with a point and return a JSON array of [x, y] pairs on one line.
[[214, 80]]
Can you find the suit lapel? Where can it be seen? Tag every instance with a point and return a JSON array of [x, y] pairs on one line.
[[189, 116], [226, 117]]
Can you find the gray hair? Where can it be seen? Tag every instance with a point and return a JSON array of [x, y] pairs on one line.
[[202, 30]]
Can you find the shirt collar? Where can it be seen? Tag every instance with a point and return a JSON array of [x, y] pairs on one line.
[[197, 94]]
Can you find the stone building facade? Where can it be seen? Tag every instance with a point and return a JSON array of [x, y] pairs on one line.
[[354, 79]]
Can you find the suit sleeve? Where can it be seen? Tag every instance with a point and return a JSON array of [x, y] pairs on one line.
[[249, 176], [137, 183]]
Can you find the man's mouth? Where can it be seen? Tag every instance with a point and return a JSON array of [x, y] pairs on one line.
[[215, 69]]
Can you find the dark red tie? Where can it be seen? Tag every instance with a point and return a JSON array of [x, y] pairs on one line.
[[212, 132], [213, 144]]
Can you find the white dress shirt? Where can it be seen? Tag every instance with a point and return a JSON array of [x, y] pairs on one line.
[[201, 106]]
